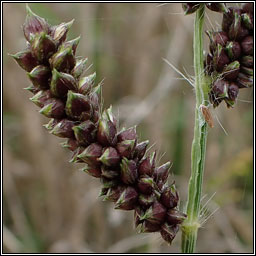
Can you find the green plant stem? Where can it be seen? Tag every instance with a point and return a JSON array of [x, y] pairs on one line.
[[191, 225]]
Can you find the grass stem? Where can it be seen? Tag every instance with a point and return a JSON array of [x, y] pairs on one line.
[[191, 225]]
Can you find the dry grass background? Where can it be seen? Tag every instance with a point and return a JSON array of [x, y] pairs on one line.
[[49, 206]]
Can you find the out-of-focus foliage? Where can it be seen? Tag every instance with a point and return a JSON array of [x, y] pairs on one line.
[[49, 206]]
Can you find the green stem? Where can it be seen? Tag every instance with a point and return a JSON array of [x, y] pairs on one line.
[[191, 225]]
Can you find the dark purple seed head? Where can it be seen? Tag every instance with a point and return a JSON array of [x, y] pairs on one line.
[[64, 129], [53, 108], [41, 97], [25, 59], [34, 25], [127, 200], [85, 132], [174, 217], [63, 60], [155, 214], [146, 184], [169, 197], [78, 106], [91, 154], [129, 172], [40, 76], [110, 157], [107, 128], [168, 232], [189, 8], [92, 171], [59, 32], [247, 45]]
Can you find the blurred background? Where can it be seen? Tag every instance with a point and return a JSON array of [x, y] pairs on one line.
[[50, 206]]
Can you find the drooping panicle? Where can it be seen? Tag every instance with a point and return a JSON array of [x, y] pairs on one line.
[[129, 177], [230, 60]]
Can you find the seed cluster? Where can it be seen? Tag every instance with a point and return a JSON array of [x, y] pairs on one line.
[[129, 177], [230, 60]]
